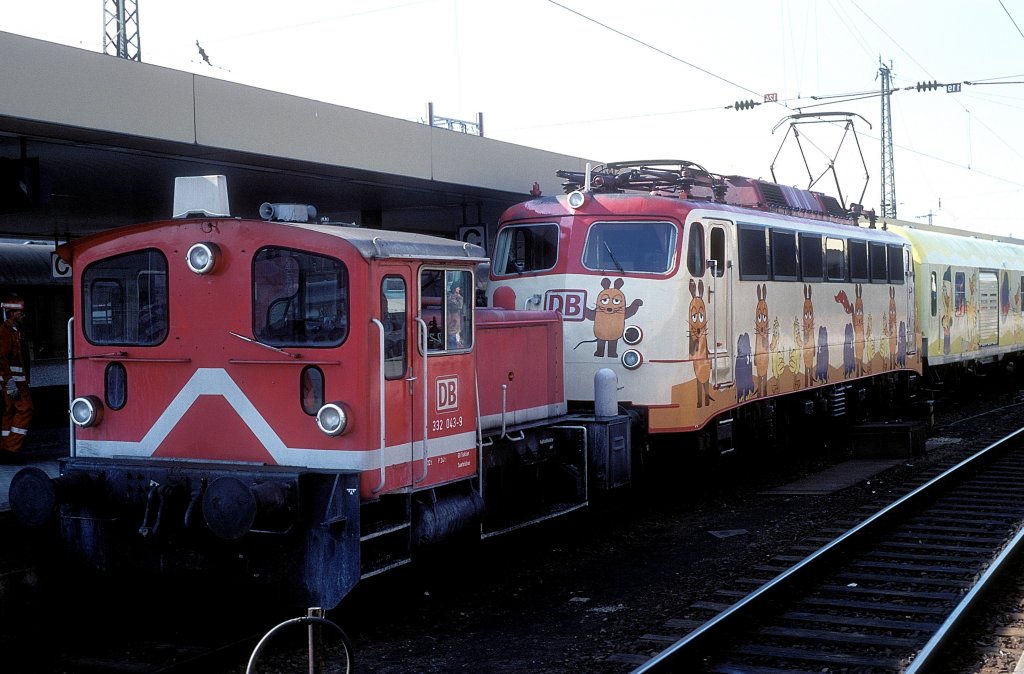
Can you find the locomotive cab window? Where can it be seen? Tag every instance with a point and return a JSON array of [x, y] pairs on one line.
[[695, 250], [638, 247], [125, 300], [446, 306], [897, 273], [717, 258], [526, 248], [299, 298], [753, 253], [393, 316], [811, 261], [858, 261], [783, 249], [835, 259], [879, 263]]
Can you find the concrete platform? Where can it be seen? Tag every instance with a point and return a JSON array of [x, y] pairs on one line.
[[837, 477]]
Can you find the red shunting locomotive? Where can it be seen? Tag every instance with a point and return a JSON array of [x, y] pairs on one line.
[[304, 404]]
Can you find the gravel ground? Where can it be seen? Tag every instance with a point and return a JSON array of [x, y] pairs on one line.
[[566, 597]]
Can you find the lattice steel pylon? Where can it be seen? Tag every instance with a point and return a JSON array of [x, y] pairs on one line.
[[121, 29], [888, 206]]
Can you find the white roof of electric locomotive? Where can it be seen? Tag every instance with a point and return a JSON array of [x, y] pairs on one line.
[[961, 250], [742, 215]]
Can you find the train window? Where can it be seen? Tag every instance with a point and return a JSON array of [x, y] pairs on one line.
[[783, 249], [753, 252], [960, 294], [446, 306], [311, 390], [858, 251], [393, 313], [896, 270], [811, 259], [115, 386], [125, 299], [695, 250], [718, 251], [526, 248], [935, 293], [879, 263], [835, 259], [299, 298], [641, 247]]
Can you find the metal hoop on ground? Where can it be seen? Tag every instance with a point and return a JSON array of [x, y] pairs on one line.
[[314, 642]]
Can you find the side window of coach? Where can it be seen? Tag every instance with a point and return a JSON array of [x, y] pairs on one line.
[[935, 293], [960, 294]]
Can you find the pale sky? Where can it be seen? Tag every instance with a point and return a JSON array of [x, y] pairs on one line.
[[641, 80]]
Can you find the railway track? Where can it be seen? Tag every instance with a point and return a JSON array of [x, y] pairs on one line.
[[886, 595]]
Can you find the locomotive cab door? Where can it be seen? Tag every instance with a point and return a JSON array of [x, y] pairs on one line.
[[719, 264], [402, 388], [444, 428], [428, 407]]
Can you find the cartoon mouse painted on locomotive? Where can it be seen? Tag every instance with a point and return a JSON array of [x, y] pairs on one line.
[[698, 345], [609, 316]]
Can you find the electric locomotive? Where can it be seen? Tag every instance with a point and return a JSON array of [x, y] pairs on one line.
[[303, 404], [710, 296]]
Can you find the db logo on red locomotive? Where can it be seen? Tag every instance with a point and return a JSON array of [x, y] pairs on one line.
[[446, 393]]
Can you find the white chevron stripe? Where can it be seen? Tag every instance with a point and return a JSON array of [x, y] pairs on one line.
[[215, 381]]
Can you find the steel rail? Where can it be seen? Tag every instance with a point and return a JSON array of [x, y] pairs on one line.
[[687, 653]]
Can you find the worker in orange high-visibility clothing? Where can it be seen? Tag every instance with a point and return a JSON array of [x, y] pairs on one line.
[[17, 399]]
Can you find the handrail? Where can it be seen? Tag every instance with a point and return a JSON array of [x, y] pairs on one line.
[[423, 349], [71, 384], [382, 416], [479, 435], [504, 409]]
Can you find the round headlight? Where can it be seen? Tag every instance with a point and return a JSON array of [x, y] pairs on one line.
[[86, 411], [576, 199], [632, 335], [632, 359], [202, 257], [332, 419]]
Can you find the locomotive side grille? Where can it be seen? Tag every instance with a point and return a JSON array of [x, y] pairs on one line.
[[832, 206], [773, 195]]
